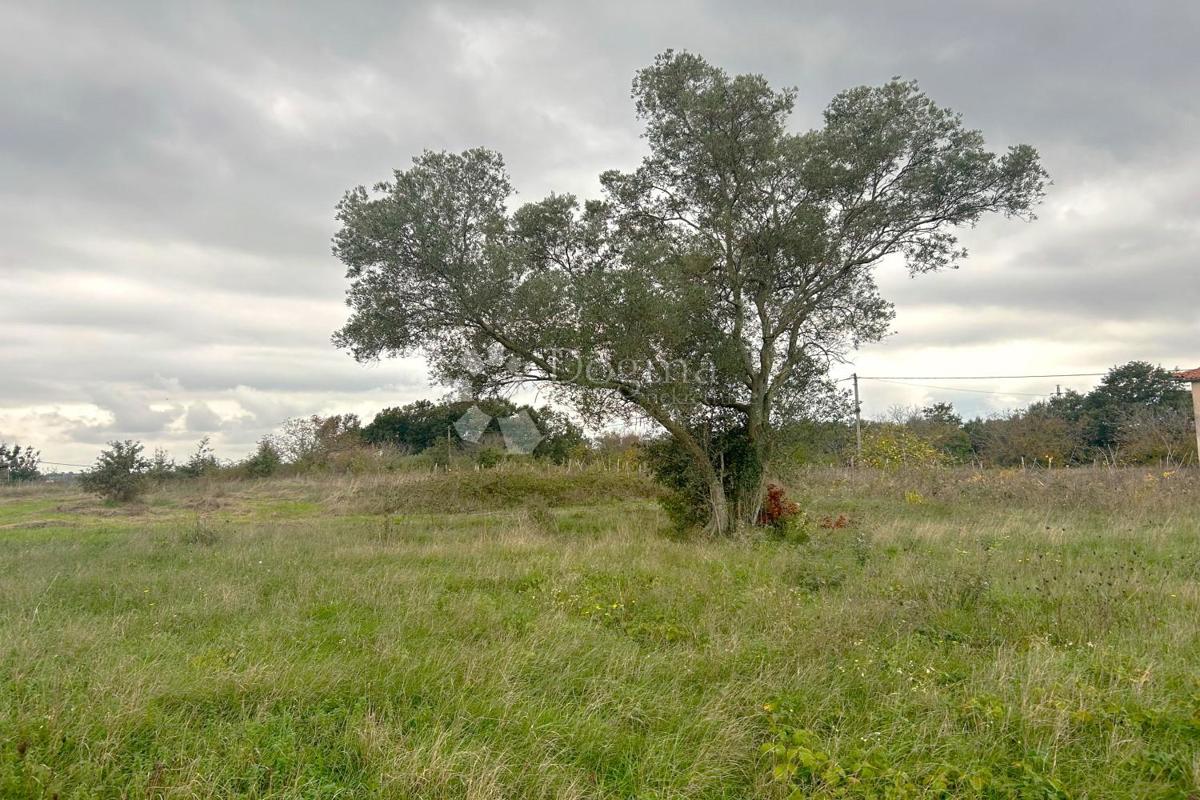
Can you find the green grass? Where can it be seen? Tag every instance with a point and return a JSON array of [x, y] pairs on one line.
[[524, 634]]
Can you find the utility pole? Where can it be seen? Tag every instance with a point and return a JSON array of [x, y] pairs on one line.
[[857, 419]]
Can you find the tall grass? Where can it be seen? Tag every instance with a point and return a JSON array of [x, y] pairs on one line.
[[539, 634]]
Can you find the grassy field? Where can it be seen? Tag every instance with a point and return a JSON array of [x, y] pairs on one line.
[[525, 634]]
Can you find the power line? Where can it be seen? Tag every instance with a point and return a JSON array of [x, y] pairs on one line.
[[952, 389], [976, 377]]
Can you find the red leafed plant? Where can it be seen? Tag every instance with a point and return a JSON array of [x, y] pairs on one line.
[[777, 508], [836, 523]]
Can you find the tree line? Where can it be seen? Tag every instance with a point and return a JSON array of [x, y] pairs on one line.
[[418, 435], [1138, 414]]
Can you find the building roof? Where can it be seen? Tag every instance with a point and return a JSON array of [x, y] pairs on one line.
[[1189, 375]]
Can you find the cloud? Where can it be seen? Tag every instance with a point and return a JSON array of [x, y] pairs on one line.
[[132, 412], [168, 176], [200, 418]]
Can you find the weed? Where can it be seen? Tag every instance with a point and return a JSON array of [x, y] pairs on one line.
[[862, 548], [540, 517], [201, 533]]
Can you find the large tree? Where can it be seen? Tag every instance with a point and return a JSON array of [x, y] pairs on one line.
[[710, 289], [1135, 391]]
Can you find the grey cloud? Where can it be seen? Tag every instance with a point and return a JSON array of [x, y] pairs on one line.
[[200, 418], [168, 175], [132, 412]]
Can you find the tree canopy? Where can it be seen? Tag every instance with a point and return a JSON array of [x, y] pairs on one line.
[[709, 290], [19, 463], [423, 424]]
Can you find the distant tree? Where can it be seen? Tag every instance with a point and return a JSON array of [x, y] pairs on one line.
[[338, 432], [296, 441], [119, 473], [162, 466], [562, 440], [201, 462], [1128, 390], [941, 414], [414, 427], [310, 442], [1137, 414], [19, 463], [1138, 383], [1069, 405], [612, 447], [424, 424], [1030, 437], [265, 461], [712, 287], [942, 427]]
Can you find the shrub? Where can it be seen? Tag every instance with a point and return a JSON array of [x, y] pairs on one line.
[[891, 446], [1036, 436], [686, 498], [119, 473], [355, 460], [1153, 436], [265, 461], [201, 533], [784, 516], [776, 506], [162, 466], [311, 442], [562, 440], [202, 462], [488, 457]]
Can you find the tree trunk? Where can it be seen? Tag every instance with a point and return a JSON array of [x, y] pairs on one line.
[[753, 487], [748, 501], [720, 522]]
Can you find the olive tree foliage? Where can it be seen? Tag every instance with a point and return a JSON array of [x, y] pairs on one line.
[[708, 290]]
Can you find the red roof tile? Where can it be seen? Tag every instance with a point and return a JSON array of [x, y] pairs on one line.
[[1189, 375]]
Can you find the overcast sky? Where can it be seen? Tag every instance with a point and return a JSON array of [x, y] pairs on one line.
[[168, 174]]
